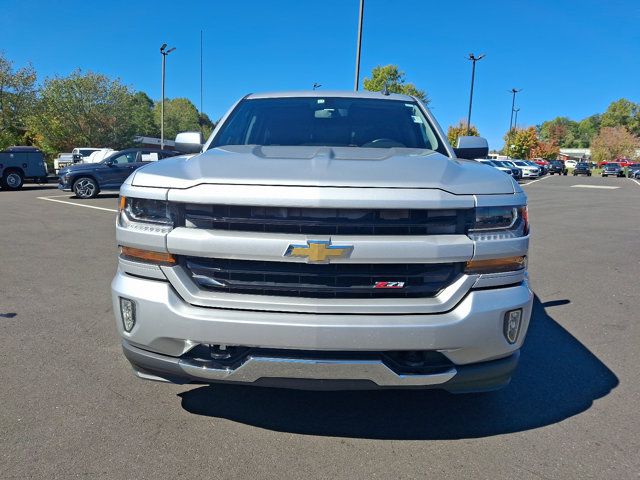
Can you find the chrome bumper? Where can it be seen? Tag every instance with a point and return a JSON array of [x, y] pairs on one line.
[[321, 374]]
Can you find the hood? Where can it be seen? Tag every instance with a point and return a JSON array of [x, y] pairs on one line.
[[325, 167], [79, 167]]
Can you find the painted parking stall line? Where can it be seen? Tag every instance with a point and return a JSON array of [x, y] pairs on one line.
[[534, 181], [603, 187], [49, 199]]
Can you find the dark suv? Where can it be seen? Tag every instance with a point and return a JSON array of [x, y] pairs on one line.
[[633, 170], [582, 168], [557, 166], [86, 180], [612, 169]]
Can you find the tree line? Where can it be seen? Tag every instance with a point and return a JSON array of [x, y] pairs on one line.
[[84, 109]]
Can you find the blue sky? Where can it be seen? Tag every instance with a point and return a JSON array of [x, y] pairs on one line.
[[570, 58]]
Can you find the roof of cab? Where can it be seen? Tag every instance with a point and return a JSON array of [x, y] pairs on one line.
[[332, 93]]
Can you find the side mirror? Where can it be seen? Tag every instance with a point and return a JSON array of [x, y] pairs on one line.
[[189, 142], [471, 147], [109, 163]]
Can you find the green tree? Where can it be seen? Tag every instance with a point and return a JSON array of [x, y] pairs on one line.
[[84, 110], [206, 125], [394, 79], [613, 143], [460, 130], [622, 113], [560, 131], [17, 100], [142, 116], [180, 115], [520, 142], [588, 128]]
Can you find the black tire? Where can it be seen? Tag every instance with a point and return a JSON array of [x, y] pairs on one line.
[[85, 187], [565, 173], [12, 180]]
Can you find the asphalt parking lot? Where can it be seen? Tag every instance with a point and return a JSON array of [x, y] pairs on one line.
[[72, 408]]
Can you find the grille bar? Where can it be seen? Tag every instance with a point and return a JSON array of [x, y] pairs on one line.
[[329, 220], [320, 281]]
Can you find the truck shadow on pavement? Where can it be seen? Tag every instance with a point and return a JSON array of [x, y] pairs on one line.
[[557, 378]]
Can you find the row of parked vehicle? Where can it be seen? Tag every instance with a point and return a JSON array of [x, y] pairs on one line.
[[518, 169]]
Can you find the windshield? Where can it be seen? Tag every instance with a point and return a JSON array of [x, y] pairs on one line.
[[87, 152], [522, 164], [582, 165], [612, 165], [328, 121]]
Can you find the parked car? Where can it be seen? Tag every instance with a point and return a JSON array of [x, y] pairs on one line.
[[87, 180], [515, 171], [557, 166], [80, 153], [582, 168], [231, 268], [493, 164], [612, 169], [61, 161], [544, 164], [528, 171], [21, 163], [570, 163], [633, 170], [98, 155], [542, 169]]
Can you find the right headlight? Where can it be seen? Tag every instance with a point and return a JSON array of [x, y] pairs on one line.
[[500, 223], [145, 214]]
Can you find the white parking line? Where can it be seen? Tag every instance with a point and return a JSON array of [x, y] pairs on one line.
[[534, 181], [637, 182], [49, 199], [604, 187]]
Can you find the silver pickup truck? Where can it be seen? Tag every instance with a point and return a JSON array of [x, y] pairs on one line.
[[324, 240]]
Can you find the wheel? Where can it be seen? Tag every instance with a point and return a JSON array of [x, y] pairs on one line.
[[12, 180], [575, 174], [565, 173], [589, 174], [85, 187]]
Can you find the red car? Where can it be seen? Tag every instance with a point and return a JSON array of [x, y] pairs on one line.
[[623, 162]]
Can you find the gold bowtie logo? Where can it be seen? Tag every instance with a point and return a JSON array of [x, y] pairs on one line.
[[317, 251]]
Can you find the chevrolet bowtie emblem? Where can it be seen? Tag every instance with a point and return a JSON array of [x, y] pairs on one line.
[[317, 251]]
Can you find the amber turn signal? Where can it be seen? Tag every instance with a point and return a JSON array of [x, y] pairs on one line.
[[121, 204], [148, 256], [496, 265]]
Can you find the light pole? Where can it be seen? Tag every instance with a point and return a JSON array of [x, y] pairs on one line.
[[164, 52], [473, 59], [515, 122], [513, 104], [359, 47]]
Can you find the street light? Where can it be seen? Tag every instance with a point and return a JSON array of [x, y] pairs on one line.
[[513, 104], [474, 59], [359, 47], [164, 52], [316, 85]]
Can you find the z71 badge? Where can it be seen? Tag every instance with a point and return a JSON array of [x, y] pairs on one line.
[[388, 285]]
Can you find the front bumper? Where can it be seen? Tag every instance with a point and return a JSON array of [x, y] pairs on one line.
[[470, 336]]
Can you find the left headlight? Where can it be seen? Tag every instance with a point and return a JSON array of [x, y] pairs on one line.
[[145, 214], [500, 223]]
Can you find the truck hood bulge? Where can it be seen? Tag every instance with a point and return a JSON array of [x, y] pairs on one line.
[[325, 167]]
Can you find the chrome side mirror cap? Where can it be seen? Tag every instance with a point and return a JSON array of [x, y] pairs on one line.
[[472, 147], [189, 142]]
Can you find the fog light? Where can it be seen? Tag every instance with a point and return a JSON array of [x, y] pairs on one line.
[[512, 321], [128, 313]]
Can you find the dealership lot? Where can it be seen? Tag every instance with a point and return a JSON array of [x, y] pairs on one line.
[[72, 408]]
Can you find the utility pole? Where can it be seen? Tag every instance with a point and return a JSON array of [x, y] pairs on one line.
[[473, 59], [164, 52], [513, 105], [201, 72], [359, 47]]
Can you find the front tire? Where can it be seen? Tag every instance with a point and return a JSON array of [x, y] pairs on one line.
[[12, 180], [85, 187]]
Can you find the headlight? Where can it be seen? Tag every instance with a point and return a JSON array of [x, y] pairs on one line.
[[500, 223], [146, 215]]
